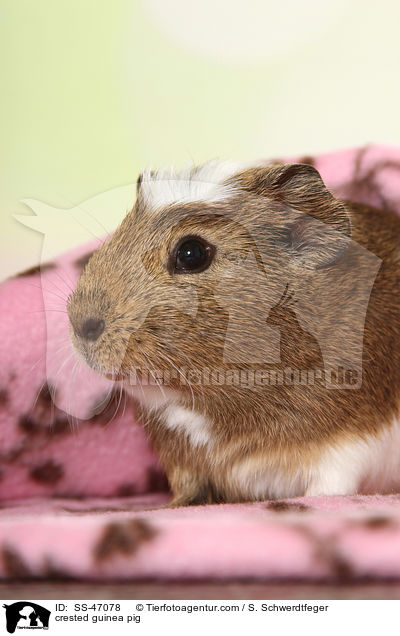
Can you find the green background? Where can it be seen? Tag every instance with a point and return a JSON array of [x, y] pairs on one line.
[[92, 92]]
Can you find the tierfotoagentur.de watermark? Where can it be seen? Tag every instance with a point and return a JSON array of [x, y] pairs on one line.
[[245, 378]]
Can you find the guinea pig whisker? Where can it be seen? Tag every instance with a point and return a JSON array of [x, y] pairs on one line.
[[62, 291], [101, 405], [74, 420], [139, 384], [116, 408], [125, 403], [63, 346], [48, 291], [111, 392], [56, 378], [67, 359], [141, 389], [190, 364], [100, 240], [68, 283], [44, 311], [103, 227], [182, 374], [63, 299], [153, 375], [35, 364], [41, 387]]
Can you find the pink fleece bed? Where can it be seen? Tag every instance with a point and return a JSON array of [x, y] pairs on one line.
[[81, 492]]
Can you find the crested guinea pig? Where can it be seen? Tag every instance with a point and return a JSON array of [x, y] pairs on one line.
[[256, 319]]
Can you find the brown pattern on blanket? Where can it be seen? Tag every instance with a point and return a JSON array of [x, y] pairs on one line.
[[45, 421], [123, 538], [364, 184], [327, 555], [279, 505], [36, 269], [48, 472], [3, 397], [82, 261], [44, 416], [39, 426], [14, 565]]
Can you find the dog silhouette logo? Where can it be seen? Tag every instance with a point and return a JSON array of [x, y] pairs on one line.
[[26, 615]]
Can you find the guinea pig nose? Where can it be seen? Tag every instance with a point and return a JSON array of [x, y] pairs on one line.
[[92, 328]]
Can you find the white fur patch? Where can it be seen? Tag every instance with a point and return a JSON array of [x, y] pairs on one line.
[[365, 467], [360, 467], [205, 183], [256, 480], [193, 425]]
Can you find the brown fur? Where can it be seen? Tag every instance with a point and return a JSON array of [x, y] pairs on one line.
[[270, 219]]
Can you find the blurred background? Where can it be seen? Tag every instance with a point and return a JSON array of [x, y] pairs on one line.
[[92, 92]]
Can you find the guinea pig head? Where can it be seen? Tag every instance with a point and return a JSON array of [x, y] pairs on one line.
[[200, 261]]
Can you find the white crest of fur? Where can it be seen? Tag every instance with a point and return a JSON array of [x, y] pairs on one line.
[[191, 424], [205, 183]]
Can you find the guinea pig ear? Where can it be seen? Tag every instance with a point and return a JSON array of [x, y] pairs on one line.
[[320, 235], [318, 230]]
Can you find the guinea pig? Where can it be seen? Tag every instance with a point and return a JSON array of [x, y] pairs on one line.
[[256, 320]]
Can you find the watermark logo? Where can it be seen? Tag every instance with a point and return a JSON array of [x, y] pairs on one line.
[[26, 615]]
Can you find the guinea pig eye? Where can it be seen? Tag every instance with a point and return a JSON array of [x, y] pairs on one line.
[[192, 255]]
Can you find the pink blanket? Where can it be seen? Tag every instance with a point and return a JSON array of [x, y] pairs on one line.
[[80, 486]]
